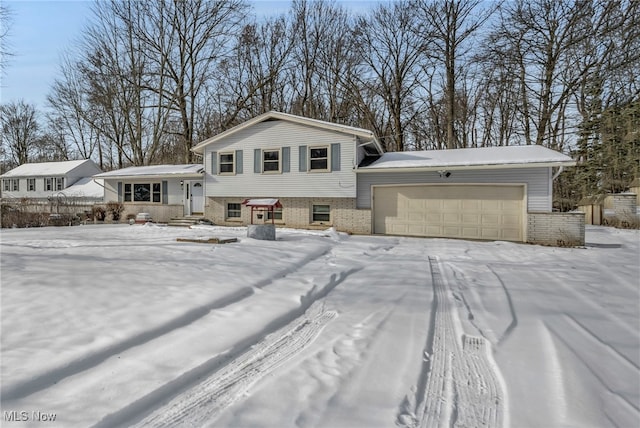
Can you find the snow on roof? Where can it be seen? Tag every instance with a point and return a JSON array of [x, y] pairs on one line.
[[154, 170], [86, 187], [262, 203], [482, 156], [45, 168]]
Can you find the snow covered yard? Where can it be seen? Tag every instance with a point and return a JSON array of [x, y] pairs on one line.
[[122, 325]]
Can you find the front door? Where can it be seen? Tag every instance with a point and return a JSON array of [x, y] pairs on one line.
[[196, 198]]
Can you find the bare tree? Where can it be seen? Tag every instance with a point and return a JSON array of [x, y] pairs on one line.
[[389, 48], [450, 26], [20, 130], [252, 80], [69, 114], [545, 40], [5, 27]]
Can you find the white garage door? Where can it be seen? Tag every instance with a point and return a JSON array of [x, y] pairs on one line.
[[456, 211]]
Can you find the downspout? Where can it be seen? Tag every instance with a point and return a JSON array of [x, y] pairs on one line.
[[557, 173]]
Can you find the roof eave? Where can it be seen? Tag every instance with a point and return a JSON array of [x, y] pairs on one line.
[[464, 167], [199, 148], [150, 176]]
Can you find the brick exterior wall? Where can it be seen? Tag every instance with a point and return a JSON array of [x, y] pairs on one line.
[[622, 204], [159, 213], [296, 213], [557, 229]]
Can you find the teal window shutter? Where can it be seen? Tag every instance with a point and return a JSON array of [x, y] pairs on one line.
[[286, 159], [238, 161], [257, 161], [165, 192], [214, 168], [335, 157], [119, 191], [302, 158]]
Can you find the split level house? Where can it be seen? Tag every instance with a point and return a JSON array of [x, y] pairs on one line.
[[331, 175], [40, 182]]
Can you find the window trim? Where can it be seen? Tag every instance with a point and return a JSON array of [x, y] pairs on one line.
[[262, 161], [130, 193], [11, 185], [311, 159], [276, 211], [53, 184], [227, 217], [233, 163], [313, 214]]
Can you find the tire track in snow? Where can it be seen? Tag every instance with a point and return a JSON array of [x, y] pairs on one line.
[[158, 398], [93, 359], [459, 386], [200, 405]]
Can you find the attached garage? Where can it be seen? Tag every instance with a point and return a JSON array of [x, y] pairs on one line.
[[489, 193], [468, 211]]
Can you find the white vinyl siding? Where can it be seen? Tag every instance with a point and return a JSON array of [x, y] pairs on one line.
[[292, 182], [538, 195]]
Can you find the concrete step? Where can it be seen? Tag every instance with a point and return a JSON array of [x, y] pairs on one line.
[[187, 221]]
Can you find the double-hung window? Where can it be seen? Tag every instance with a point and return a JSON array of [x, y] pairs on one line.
[[53, 183], [321, 214], [271, 160], [227, 163], [11, 184], [31, 184], [319, 158], [234, 210], [275, 215]]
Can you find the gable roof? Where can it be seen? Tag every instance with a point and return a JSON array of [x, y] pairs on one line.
[[47, 168], [187, 170], [274, 115], [481, 157], [86, 187]]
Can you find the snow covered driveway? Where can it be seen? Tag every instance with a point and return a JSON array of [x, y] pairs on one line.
[[122, 325]]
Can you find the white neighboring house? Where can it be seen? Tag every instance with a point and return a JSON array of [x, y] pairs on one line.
[[45, 181], [164, 191]]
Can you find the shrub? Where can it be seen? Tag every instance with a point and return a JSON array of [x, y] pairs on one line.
[[115, 209], [98, 212]]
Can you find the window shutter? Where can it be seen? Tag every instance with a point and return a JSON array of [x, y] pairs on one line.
[[335, 157], [238, 161], [214, 168], [165, 192], [302, 158], [119, 191], [286, 155], [257, 161]]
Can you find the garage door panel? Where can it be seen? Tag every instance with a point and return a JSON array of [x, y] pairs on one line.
[[459, 211]]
